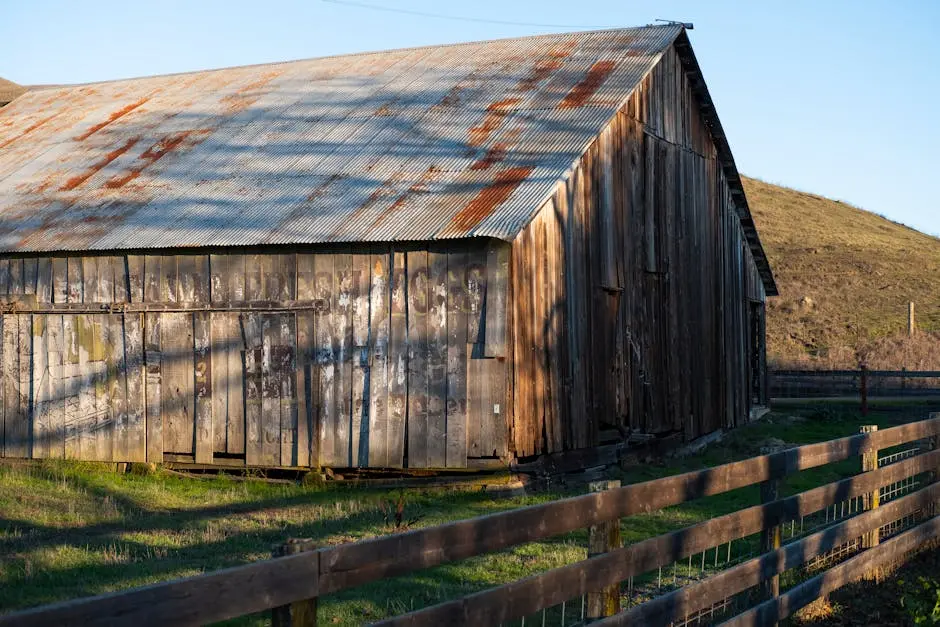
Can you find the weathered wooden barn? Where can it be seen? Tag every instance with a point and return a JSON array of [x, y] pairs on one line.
[[436, 257]]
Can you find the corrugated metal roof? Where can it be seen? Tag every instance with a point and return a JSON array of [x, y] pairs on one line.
[[428, 143]]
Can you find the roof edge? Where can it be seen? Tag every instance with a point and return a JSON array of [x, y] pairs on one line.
[[725, 159], [360, 53]]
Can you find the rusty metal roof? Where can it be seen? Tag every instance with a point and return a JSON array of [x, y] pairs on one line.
[[440, 142]]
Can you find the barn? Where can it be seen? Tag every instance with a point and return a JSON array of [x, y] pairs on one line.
[[442, 257]]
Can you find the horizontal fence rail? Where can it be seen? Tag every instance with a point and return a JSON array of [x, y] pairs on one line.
[[862, 383], [313, 573], [891, 374]]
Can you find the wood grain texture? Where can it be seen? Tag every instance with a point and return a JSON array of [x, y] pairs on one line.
[[39, 386], [287, 395], [307, 370], [342, 323], [457, 310], [359, 428], [203, 388], [417, 315], [270, 390], [497, 299], [437, 359], [252, 339], [153, 360], [397, 363], [116, 382], [58, 387], [136, 377], [325, 360], [177, 390], [378, 370]]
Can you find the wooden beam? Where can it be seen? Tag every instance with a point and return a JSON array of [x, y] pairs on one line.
[[369, 560], [198, 600], [527, 596]]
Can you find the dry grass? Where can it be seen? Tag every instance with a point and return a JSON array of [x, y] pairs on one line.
[[845, 277]]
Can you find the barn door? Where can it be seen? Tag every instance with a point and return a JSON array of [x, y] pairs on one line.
[[486, 404]]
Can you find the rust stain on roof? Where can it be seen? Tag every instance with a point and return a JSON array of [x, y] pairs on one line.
[[547, 65], [563, 50], [452, 97], [418, 187], [498, 151], [385, 189], [581, 92], [120, 113], [321, 188], [75, 181], [540, 71], [242, 98], [490, 197], [493, 156], [495, 114], [151, 156], [29, 129], [386, 109]]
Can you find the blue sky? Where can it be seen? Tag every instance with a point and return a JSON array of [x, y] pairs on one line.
[[836, 98]]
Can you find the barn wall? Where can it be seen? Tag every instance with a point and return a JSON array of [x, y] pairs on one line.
[[377, 356], [632, 285]]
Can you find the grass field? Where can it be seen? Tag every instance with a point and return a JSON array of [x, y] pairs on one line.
[[70, 530], [845, 277]]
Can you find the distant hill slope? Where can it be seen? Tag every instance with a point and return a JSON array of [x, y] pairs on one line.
[[845, 277]]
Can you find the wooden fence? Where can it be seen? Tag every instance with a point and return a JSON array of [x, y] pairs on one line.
[[894, 498], [861, 384]]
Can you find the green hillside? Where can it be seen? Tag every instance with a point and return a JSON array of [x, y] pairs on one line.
[[845, 277]]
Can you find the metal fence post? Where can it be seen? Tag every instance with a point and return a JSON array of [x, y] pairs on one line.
[[871, 500], [300, 613], [770, 537], [603, 538]]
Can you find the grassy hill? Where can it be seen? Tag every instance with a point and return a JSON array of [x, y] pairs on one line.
[[845, 277]]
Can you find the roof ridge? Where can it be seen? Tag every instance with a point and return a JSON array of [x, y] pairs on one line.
[[362, 53]]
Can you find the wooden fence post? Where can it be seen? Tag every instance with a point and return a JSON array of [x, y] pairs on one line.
[[870, 500], [910, 319], [932, 444], [770, 537], [603, 538], [863, 388], [300, 613]]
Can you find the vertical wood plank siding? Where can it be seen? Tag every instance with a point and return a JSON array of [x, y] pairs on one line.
[[624, 304], [371, 371], [631, 286]]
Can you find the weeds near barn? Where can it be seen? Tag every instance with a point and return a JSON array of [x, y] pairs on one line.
[[76, 529]]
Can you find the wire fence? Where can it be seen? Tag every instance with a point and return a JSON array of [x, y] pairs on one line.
[[795, 384], [668, 578]]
